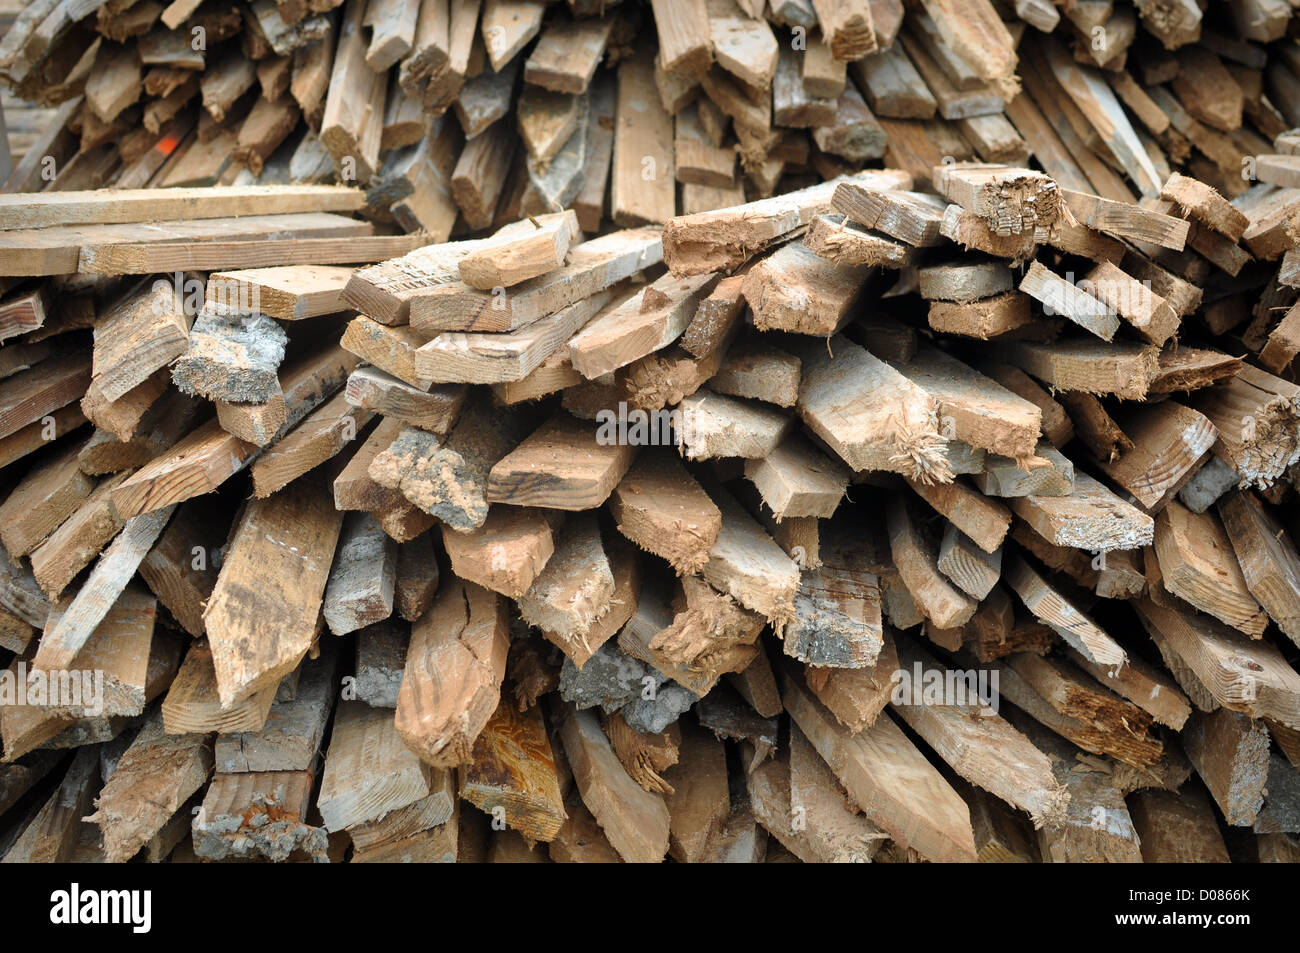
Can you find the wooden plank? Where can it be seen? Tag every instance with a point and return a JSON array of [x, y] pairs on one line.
[[637, 822], [562, 465], [512, 774], [642, 189], [868, 413], [114, 569], [637, 326], [352, 124], [593, 266], [368, 771], [286, 543], [567, 54], [289, 293], [1198, 565], [320, 436], [506, 554], [153, 780], [1240, 673], [684, 36], [722, 240], [1053, 609], [193, 705], [873, 764], [454, 668], [493, 358]]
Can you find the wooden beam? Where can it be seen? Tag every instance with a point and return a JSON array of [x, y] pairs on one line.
[[287, 543], [454, 668]]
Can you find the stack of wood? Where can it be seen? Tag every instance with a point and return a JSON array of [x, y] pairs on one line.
[[471, 114], [938, 511]]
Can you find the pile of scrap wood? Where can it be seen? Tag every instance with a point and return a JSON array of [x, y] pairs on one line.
[[485, 111], [938, 511]]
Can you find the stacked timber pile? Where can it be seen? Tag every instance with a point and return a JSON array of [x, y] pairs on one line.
[[485, 111], [937, 511]]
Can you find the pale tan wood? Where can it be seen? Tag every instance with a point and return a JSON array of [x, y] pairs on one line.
[[361, 583], [713, 426], [1197, 564], [1124, 370], [983, 520], [546, 121], [27, 397], [383, 292], [723, 239], [510, 259], [153, 780], [1266, 555], [915, 557], [592, 267], [973, 408], [1065, 619], [972, 570], [575, 588], [562, 465], [368, 770], [795, 289], [1059, 296], [1144, 685], [567, 53], [636, 326], [70, 548], [320, 436], [506, 554], [636, 822], [933, 819], [985, 749], [745, 563], [661, 508], [374, 390], [289, 293], [353, 119], [193, 705], [1252, 411], [1239, 673], [1169, 442], [1075, 707], [872, 416], [797, 480], [47, 495], [140, 258], [642, 179], [65, 637], [454, 668], [698, 800], [508, 26], [742, 44], [407, 824], [684, 36], [696, 158], [1127, 220], [286, 543], [1230, 753], [391, 349]]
